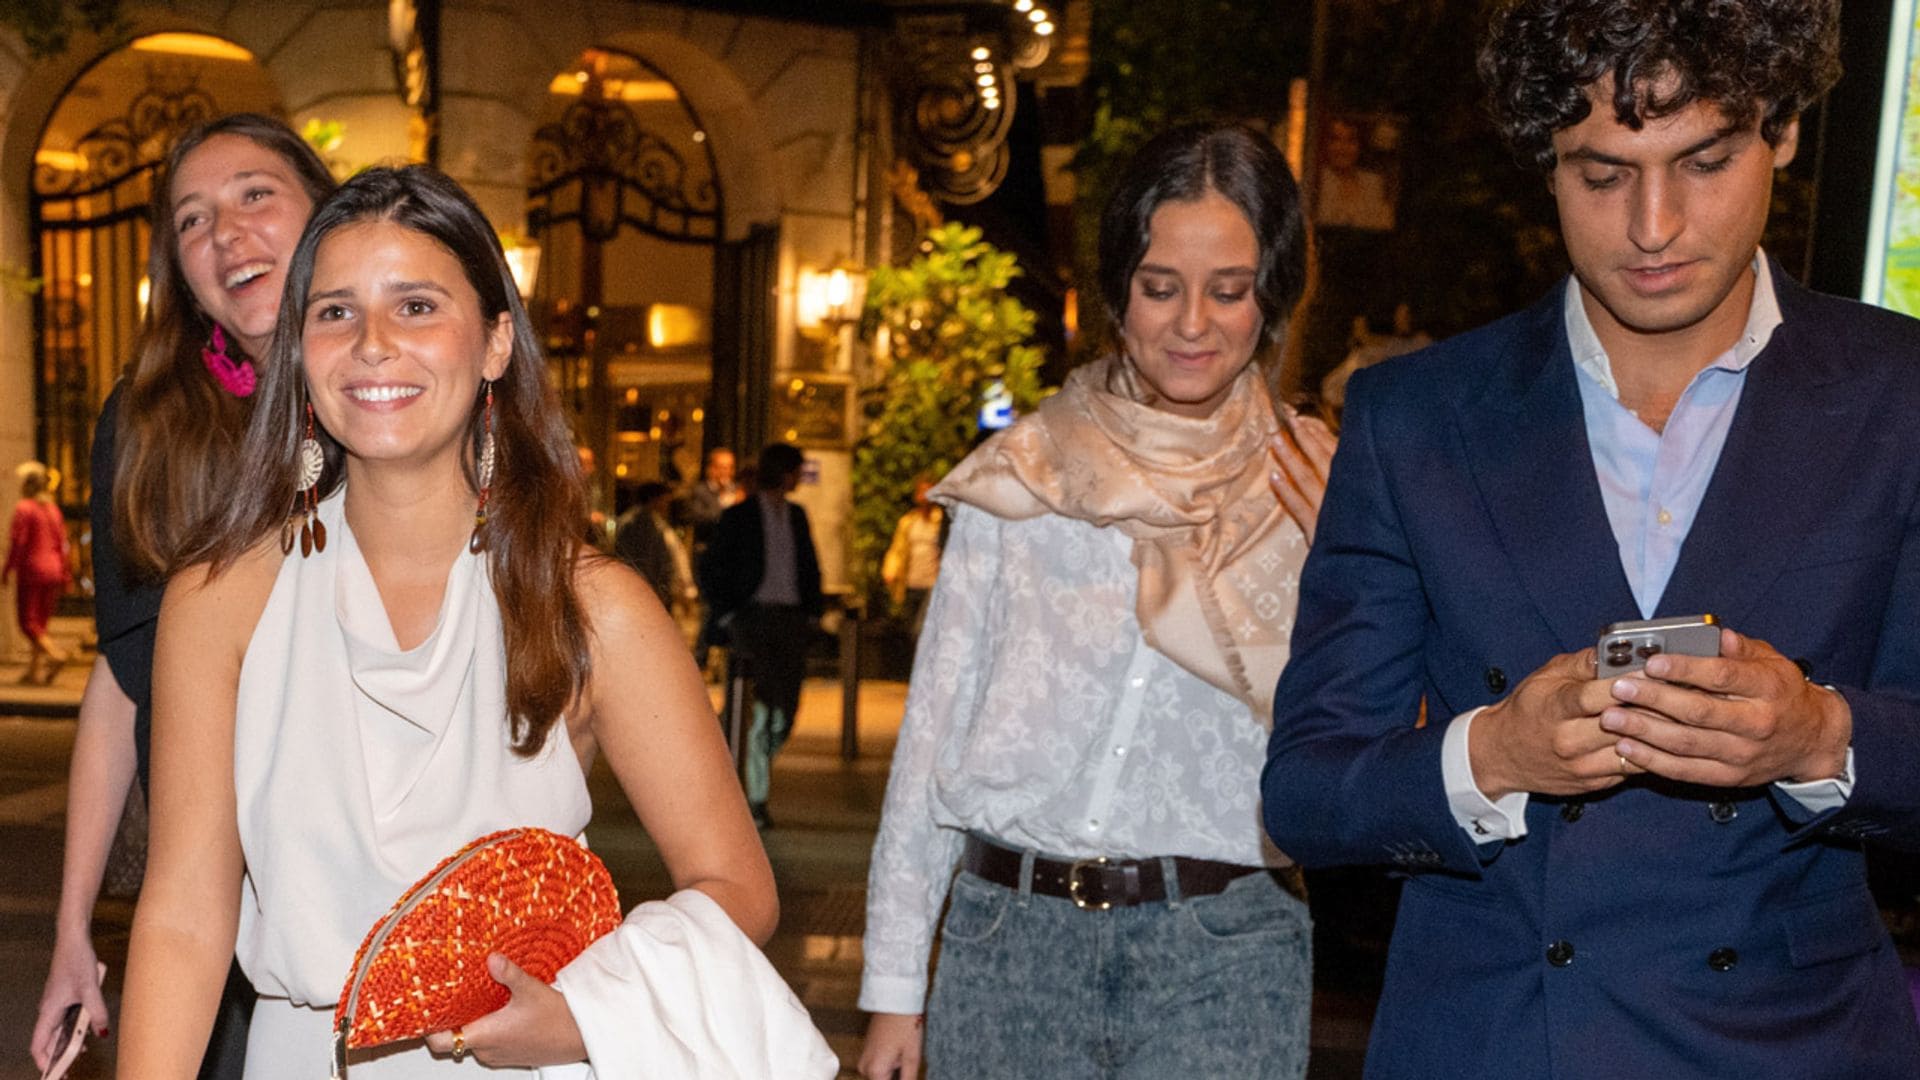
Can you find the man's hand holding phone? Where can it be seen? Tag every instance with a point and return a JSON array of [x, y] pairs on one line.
[[1744, 718], [1545, 738]]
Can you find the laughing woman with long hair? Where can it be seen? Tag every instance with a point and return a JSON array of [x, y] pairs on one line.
[[228, 207]]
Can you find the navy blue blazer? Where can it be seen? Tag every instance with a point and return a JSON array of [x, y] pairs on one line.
[[1656, 930]]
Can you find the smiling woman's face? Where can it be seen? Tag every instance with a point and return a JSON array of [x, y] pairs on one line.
[[395, 346], [238, 210], [1192, 323]]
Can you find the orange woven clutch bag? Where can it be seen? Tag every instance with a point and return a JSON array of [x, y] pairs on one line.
[[536, 896]]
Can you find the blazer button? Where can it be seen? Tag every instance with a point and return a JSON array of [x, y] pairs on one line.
[[1722, 812], [1570, 811], [1722, 959], [1560, 953], [1496, 680]]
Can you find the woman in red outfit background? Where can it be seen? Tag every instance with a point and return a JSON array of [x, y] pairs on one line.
[[37, 553]]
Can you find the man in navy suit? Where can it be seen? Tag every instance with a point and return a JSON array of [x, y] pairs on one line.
[[762, 580], [1638, 877]]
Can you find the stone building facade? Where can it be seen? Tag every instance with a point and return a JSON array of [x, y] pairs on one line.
[[777, 128]]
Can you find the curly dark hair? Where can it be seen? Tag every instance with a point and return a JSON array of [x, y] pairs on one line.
[[1771, 58]]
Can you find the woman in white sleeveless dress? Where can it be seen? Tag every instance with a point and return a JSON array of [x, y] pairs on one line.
[[434, 660]]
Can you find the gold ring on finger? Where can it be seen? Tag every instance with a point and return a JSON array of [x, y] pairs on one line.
[[460, 1043]]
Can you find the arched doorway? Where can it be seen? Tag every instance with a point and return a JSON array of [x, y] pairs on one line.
[[94, 167], [625, 203]]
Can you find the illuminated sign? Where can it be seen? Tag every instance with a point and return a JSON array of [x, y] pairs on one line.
[[996, 407], [1892, 277]]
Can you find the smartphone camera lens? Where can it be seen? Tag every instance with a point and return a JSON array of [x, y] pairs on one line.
[[1619, 653], [1651, 648]]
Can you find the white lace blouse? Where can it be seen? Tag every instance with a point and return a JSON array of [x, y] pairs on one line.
[[1037, 715]]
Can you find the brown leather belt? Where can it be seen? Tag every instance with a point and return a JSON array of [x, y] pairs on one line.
[[1102, 883]]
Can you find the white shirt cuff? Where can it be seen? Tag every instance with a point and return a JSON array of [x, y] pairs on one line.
[[893, 994], [1483, 819], [1820, 796]]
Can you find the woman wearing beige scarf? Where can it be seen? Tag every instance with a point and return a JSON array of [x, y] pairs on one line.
[[1089, 706]]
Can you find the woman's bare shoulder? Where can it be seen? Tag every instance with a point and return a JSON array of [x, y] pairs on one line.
[[615, 599], [230, 598]]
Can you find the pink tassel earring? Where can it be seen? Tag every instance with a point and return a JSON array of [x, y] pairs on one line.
[[236, 377], [477, 543], [306, 498]]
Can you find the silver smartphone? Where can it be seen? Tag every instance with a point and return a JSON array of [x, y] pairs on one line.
[[1627, 646]]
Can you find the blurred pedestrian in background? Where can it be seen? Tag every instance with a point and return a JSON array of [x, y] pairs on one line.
[[648, 542], [37, 564], [762, 584], [699, 509], [912, 562], [1368, 349], [701, 505]]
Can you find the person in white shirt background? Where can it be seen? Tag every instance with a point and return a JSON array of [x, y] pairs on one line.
[[912, 562]]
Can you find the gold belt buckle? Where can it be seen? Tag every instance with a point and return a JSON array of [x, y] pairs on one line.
[[1073, 885]]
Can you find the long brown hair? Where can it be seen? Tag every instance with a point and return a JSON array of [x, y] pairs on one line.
[[179, 432], [537, 501]]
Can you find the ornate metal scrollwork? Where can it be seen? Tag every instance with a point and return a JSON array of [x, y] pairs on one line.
[[952, 129], [128, 144], [628, 176], [962, 143]]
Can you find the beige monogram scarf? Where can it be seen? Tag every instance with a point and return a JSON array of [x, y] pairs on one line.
[[1210, 539]]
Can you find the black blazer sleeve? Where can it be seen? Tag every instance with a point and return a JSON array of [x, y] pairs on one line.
[[735, 560], [808, 576]]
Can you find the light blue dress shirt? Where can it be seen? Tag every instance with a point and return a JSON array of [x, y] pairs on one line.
[[1652, 483]]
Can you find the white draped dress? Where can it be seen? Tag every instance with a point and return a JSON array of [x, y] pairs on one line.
[[359, 766]]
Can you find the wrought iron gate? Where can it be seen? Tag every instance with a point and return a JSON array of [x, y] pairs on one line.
[[90, 232], [599, 170]]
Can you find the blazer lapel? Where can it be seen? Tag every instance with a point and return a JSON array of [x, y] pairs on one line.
[[1526, 442], [1784, 461]]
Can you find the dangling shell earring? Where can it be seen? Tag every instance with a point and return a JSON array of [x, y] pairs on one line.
[[306, 498], [477, 543]]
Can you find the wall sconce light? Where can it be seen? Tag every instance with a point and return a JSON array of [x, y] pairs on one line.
[[676, 326], [523, 261], [826, 300]]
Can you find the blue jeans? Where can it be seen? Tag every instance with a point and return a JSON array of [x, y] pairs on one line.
[[773, 643], [1031, 986]]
